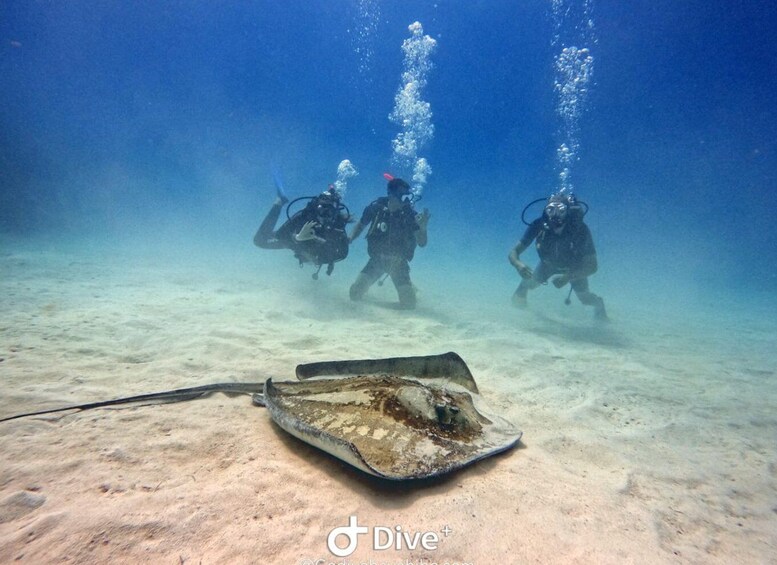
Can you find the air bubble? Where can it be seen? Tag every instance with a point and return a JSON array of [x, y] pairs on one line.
[[410, 112], [345, 171], [574, 74]]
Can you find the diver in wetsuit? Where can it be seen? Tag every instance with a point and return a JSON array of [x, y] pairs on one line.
[[565, 248], [316, 233], [394, 231]]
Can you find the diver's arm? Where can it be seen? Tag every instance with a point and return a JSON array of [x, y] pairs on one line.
[[421, 235], [515, 260], [356, 232]]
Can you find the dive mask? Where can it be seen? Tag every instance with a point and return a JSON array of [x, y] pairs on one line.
[[556, 213]]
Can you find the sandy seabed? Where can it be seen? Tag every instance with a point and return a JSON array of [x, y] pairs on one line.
[[649, 440]]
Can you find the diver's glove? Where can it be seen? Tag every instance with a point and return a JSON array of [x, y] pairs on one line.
[[307, 233], [560, 281], [423, 218], [524, 270]]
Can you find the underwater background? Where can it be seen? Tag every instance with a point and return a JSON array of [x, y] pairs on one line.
[[160, 122], [138, 142]]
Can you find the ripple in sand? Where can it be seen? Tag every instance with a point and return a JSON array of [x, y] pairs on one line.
[[19, 504]]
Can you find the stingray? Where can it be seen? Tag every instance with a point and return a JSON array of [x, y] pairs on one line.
[[397, 418]]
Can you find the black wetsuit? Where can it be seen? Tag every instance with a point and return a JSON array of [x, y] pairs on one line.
[[330, 228], [390, 233], [570, 252], [560, 252], [391, 243]]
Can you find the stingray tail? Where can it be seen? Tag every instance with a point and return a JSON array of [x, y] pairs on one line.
[[178, 395]]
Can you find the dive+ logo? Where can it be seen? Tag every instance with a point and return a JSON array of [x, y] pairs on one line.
[[382, 538], [351, 531]]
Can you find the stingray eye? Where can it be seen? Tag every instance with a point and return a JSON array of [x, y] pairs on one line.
[[446, 413]]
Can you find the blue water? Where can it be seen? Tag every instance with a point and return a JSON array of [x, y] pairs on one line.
[[137, 147], [117, 121]]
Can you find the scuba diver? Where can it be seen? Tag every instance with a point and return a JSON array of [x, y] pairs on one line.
[[316, 233], [394, 231], [565, 248]]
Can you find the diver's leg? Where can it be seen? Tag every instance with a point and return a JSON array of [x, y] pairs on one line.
[[540, 275], [519, 296], [580, 286], [265, 235], [407, 298], [400, 276], [360, 286], [370, 273]]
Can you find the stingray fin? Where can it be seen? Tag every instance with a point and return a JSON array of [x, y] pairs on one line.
[[449, 366]]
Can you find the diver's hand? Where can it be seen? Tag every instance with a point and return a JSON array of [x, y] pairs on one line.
[[307, 232], [524, 270], [560, 281], [423, 218]]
